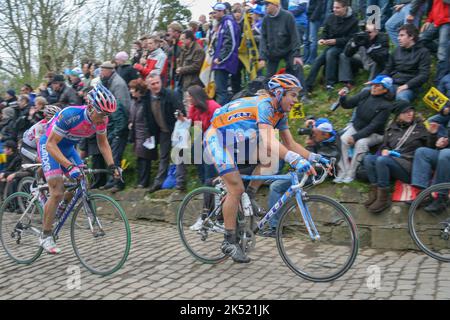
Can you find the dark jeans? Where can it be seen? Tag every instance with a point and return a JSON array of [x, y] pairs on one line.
[[118, 145], [380, 169], [144, 169], [165, 146], [330, 59], [206, 173], [236, 79], [425, 161], [349, 65], [295, 70], [100, 178], [221, 78]]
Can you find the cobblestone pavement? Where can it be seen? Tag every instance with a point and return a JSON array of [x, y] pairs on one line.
[[159, 267]]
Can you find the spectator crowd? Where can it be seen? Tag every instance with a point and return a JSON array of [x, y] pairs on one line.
[[158, 84]]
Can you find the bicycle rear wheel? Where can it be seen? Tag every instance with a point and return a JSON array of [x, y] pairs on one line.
[[320, 260], [24, 186], [202, 238], [20, 229], [100, 234], [430, 230]]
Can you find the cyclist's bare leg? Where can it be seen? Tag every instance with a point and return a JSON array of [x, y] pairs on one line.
[[56, 190], [235, 189]]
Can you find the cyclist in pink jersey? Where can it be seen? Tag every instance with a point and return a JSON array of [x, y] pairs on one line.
[[59, 156]]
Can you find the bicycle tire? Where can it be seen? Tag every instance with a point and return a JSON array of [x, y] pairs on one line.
[[22, 250], [193, 239], [98, 260], [24, 186], [428, 237], [293, 234]]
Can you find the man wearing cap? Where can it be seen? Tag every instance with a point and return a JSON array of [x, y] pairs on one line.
[[226, 44], [323, 140], [409, 64], [63, 94], [174, 31], [124, 69], [118, 121], [367, 127], [404, 135], [280, 41]]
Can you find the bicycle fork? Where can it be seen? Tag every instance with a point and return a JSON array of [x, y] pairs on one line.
[[306, 215], [93, 219]]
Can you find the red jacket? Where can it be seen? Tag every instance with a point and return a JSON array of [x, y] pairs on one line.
[[205, 117], [439, 13]]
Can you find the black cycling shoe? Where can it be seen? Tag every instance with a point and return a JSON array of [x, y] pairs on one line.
[[235, 252]]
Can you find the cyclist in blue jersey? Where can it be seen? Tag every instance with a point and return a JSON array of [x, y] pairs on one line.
[[246, 119], [59, 156]]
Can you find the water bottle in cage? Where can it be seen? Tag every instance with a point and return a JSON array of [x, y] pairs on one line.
[[217, 197], [246, 205]]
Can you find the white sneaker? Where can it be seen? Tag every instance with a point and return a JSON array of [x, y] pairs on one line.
[[347, 180], [338, 179], [49, 245], [197, 225]]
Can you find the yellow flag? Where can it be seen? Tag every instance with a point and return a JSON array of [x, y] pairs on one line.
[[435, 99], [248, 51], [207, 75], [124, 164], [297, 112]]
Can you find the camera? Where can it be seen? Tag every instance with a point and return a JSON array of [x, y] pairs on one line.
[[177, 113], [306, 131], [361, 39]]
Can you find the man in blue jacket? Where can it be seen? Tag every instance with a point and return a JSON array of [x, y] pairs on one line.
[[226, 44]]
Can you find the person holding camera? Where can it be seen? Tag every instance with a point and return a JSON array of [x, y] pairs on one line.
[[367, 127], [323, 140], [367, 49]]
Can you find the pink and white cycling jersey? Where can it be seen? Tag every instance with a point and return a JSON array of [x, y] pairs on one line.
[[73, 124], [33, 134]]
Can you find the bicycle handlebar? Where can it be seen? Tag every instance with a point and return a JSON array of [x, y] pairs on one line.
[[322, 177]]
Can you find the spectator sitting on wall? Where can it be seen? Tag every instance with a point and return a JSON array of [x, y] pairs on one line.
[[404, 135]]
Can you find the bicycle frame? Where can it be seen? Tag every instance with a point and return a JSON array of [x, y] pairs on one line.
[[81, 193], [295, 189]]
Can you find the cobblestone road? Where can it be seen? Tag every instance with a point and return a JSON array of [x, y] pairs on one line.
[[159, 267]]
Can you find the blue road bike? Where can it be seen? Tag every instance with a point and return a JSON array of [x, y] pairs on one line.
[[316, 236], [99, 229]]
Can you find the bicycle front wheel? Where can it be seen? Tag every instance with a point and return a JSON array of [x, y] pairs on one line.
[[100, 234], [201, 237], [430, 229], [20, 228], [324, 259]]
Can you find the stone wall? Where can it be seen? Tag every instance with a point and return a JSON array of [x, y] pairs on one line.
[[388, 230]]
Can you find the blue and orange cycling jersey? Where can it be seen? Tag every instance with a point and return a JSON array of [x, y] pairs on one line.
[[238, 122], [73, 124], [242, 117]]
